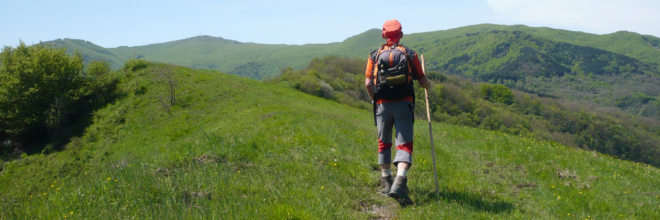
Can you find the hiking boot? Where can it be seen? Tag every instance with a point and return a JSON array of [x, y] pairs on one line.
[[399, 190], [385, 185]]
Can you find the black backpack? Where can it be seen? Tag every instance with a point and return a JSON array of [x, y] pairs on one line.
[[393, 72]]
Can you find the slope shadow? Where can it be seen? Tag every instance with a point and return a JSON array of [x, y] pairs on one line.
[[74, 125], [465, 198]]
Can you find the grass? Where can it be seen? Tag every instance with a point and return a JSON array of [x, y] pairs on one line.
[[235, 148]]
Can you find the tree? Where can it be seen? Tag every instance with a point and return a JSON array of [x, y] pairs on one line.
[[38, 85], [165, 75], [98, 78], [497, 93]]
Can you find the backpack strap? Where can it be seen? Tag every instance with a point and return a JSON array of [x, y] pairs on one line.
[[375, 60], [403, 48], [412, 63]]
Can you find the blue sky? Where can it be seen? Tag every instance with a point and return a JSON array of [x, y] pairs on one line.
[[133, 23]]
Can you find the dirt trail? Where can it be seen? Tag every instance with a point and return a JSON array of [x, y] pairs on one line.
[[382, 212]]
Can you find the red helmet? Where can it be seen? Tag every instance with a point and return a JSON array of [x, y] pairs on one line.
[[392, 29]]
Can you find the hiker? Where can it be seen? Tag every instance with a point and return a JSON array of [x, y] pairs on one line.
[[389, 75]]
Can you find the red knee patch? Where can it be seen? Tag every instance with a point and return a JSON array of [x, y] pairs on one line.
[[383, 146], [408, 147]]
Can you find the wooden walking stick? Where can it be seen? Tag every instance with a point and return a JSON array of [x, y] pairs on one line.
[[428, 115]]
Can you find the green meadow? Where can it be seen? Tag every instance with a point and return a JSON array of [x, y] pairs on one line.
[[237, 148]]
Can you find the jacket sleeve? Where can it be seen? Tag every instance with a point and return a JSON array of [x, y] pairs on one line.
[[418, 72]]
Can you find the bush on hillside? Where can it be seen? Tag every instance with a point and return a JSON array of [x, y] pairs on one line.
[[38, 85], [133, 65], [97, 69], [42, 89], [496, 93], [100, 81]]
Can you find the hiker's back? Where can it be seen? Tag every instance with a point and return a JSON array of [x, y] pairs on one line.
[[393, 73]]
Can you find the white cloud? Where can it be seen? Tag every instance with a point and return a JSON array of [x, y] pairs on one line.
[[604, 16]]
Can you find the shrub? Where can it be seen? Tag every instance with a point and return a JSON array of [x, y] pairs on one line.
[[133, 65], [97, 69], [98, 77], [310, 85], [38, 85], [496, 93]]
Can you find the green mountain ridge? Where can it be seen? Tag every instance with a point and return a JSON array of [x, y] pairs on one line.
[[498, 55], [237, 148], [224, 55], [90, 51], [614, 70], [642, 47]]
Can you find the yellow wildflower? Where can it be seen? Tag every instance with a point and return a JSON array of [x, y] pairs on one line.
[[109, 178]]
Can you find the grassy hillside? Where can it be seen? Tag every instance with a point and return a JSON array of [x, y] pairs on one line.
[[461, 101], [235, 148]]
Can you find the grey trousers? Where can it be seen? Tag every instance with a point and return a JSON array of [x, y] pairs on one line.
[[397, 115]]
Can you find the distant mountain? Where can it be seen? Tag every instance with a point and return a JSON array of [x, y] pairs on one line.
[[642, 47], [617, 70], [246, 59], [90, 51], [206, 52], [513, 55]]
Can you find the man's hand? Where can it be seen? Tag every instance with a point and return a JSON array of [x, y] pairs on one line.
[[424, 82]]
